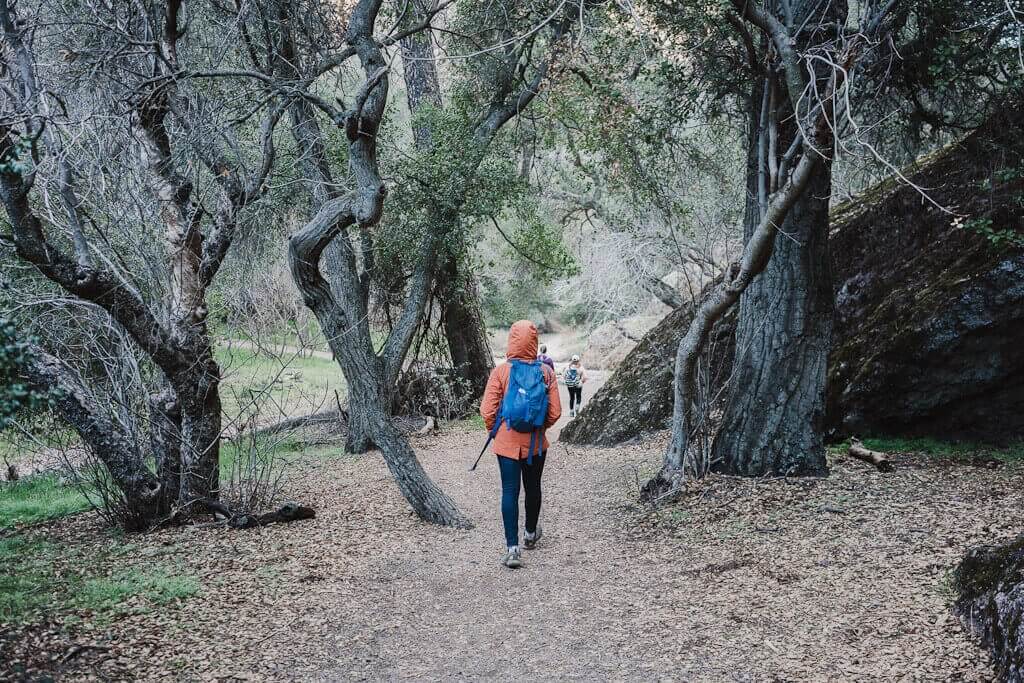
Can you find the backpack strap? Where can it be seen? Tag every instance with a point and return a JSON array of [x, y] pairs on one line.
[[533, 442]]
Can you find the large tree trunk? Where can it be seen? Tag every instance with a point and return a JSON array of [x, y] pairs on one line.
[[367, 389], [464, 328], [775, 413], [367, 394], [200, 435]]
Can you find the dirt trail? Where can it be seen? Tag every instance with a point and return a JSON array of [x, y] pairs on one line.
[[843, 578], [813, 596], [458, 614]]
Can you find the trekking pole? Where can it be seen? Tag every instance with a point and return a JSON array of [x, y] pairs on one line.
[[482, 451]]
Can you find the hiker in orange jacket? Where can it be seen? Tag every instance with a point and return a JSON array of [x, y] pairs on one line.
[[512, 447]]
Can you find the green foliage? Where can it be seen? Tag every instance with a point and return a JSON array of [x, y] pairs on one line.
[[17, 158], [15, 394], [39, 578], [37, 499], [1001, 238], [507, 300], [1002, 181]]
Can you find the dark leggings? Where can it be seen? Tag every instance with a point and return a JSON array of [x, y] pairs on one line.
[[575, 397], [512, 472]]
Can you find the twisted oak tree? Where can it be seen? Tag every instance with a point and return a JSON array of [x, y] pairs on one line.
[[803, 55], [127, 67], [340, 233], [342, 309]]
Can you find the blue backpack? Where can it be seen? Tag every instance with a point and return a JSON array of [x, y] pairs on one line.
[[525, 406]]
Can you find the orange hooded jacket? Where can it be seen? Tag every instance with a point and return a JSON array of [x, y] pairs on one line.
[[522, 345]]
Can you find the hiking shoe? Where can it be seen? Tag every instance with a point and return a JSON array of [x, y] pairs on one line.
[[530, 541], [513, 559], [572, 413]]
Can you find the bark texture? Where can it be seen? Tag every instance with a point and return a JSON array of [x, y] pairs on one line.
[[464, 328], [775, 414], [144, 495]]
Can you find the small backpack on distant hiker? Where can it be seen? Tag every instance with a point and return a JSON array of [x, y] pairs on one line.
[[524, 407], [572, 376]]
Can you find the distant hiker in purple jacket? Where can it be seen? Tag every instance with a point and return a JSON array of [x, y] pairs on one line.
[[544, 358]]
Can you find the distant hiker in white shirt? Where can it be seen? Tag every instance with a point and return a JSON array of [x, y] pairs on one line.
[[574, 376]]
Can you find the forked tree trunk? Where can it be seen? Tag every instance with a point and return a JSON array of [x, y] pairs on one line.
[[367, 393], [367, 378], [775, 412], [460, 301]]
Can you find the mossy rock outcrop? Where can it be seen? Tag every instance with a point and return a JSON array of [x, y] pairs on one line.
[[929, 337], [637, 398], [930, 306], [990, 601]]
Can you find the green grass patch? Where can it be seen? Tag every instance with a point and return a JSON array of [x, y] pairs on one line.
[[953, 450], [40, 578], [472, 423], [294, 384], [109, 594], [37, 499], [26, 580]]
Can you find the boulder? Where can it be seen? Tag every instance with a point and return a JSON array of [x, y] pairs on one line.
[[930, 309], [989, 584], [637, 398], [612, 342]]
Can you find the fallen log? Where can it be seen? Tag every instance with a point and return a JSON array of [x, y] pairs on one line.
[[289, 512], [323, 417], [879, 460]]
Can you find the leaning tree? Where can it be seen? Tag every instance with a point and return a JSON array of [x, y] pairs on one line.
[[124, 187], [308, 44]]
